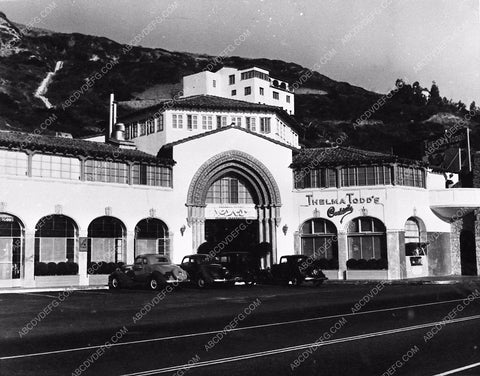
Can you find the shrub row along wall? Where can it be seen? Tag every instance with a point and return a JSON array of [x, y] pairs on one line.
[[362, 264], [52, 268]]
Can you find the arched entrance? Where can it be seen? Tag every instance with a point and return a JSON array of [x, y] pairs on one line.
[[106, 243], [234, 200], [11, 247], [151, 236]]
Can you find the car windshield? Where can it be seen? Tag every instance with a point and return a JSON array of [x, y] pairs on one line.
[[158, 259], [208, 260]]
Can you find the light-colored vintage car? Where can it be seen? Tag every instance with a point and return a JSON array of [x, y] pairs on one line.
[[151, 270]]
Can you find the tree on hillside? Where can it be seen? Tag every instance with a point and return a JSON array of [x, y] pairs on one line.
[[473, 106], [461, 107], [405, 91], [418, 97], [435, 98]]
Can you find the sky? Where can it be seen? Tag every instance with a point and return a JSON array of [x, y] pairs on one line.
[[369, 43]]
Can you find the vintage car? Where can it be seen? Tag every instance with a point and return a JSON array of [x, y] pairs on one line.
[[151, 270], [242, 265], [297, 269], [206, 270]]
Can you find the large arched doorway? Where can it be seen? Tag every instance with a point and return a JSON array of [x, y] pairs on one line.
[[55, 244], [151, 236], [11, 247], [234, 229], [106, 244], [234, 200]]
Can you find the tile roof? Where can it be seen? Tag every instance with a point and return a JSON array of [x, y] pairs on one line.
[[345, 156], [218, 130], [210, 102], [76, 147]]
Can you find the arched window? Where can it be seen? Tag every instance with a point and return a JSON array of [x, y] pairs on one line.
[[367, 239], [11, 246], [106, 240], [412, 231], [55, 239], [151, 236], [229, 189], [319, 239], [413, 238]]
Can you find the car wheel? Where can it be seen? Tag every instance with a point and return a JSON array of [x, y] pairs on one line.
[[114, 284], [153, 284], [296, 281], [201, 283], [249, 280], [318, 283]]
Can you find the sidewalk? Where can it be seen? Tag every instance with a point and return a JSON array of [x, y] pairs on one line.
[[23, 290], [442, 280]]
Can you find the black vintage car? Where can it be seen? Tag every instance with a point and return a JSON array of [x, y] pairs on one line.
[[242, 265], [150, 270], [205, 270], [297, 269]]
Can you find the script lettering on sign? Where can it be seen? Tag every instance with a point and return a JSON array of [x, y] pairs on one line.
[[231, 212], [331, 212], [227, 212]]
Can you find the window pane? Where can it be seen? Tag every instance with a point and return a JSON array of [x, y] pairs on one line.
[[366, 225], [307, 246], [371, 175], [367, 247], [307, 228], [354, 248], [378, 226], [319, 226], [362, 175]]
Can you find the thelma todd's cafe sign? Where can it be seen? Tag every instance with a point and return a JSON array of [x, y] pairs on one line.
[[342, 206]]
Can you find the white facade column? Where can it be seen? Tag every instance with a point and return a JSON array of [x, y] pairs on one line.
[[29, 257], [260, 224], [393, 255], [82, 261], [274, 240], [130, 249], [342, 244], [455, 230]]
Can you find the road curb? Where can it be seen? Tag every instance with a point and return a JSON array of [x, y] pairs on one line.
[[23, 290]]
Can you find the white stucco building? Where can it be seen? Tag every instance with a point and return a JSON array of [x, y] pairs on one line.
[[251, 84], [189, 173]]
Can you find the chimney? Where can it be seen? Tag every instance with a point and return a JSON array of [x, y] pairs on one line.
[[112, 116], [119, 134]]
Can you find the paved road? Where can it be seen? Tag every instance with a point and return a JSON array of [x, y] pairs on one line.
[[332, 330]]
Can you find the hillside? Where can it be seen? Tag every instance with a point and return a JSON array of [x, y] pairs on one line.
[[78, 91]]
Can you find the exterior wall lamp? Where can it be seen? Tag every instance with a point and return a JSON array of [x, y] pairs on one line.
[[285, 229], [182, 229]]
